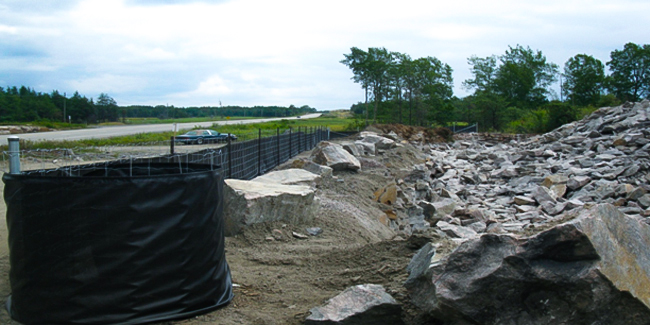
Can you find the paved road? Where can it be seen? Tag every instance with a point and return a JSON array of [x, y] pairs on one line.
[[112, 131]]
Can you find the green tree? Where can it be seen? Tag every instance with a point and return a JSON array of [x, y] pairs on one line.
[[379, 65], [584, 77], [106, 107], [524, 77], [358, 61], [484, 71], [435, 84], [630, 72]]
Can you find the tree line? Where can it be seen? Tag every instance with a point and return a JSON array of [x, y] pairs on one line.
[[511, 92], [25, 104]]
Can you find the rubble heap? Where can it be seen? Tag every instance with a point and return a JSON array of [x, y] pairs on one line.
[[539, 229], [498, 187]]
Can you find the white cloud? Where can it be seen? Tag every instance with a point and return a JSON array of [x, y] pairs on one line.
[[260, 52]]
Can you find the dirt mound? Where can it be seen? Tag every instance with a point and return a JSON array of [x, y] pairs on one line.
[[415, 133]]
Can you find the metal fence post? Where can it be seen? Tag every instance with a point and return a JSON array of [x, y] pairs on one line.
[[229, 149], [259, 152], [171, 145], [277, 140], [299, 140], [290, 142], [13, 142]]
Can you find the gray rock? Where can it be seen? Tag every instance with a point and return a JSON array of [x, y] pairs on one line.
[[292, 176], [314, 231], [334, 156], [420, 262], [250, 202], [644, 201], [577, 182], [594, 269], [455, 231], [351, 148], [361, 304], [543, 196]]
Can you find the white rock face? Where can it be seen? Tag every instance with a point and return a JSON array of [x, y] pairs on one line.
[[251, 202], [292, 176]]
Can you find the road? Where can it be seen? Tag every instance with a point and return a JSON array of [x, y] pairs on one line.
[[113, 131]]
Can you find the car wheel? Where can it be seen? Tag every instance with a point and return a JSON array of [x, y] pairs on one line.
[[199, 141]]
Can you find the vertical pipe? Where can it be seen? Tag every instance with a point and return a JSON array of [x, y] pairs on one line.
[[13, 143], [259, 152], [171, 146], [229, 149]]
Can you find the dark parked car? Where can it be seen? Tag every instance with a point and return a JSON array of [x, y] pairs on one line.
[[203, 136]]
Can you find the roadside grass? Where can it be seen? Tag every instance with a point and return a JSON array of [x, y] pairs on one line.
[[242, 131]]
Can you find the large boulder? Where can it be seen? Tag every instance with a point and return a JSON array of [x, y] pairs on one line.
[[379, 142], [361, 304], [291, 176], [333, 155], [594, 269], [251, 202]]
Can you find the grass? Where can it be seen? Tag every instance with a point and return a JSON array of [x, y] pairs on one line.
[[242, 131]]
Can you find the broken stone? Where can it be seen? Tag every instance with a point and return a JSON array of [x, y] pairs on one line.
[[593, 269], [577, 182], [314, 231], [249, 202], [361, 304], [351, 148], [299, 235], [455, 231], [387, 195], [543, 196], [554, 180], [333, 155], [524, 200]]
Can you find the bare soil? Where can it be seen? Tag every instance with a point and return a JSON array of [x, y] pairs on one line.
[[278, 280]]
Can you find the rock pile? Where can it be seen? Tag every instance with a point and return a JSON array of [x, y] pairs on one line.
[[544, 229], [498, 187], [17, 129]]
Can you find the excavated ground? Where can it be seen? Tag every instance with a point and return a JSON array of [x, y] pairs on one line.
[[278, 280]]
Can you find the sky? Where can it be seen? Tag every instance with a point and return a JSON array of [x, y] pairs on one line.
[[282, 52]]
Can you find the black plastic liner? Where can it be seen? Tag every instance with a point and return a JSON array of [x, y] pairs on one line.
[[143, 244]]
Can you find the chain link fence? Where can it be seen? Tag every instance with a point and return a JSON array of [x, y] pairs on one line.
[[243, 159]]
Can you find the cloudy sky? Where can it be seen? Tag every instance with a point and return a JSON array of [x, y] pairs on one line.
[[281, 52]]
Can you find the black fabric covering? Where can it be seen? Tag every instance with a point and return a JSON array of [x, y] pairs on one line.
[[143, 245]]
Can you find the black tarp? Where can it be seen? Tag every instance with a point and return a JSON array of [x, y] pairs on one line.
[[143, 244]]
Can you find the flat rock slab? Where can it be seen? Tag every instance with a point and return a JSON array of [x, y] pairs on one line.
[[251, 202], [292, 176], [361, 304]]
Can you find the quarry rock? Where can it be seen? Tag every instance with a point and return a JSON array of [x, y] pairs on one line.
[[292, 176], [333, 155], [251, 202], [361, 304], [592, 269]]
